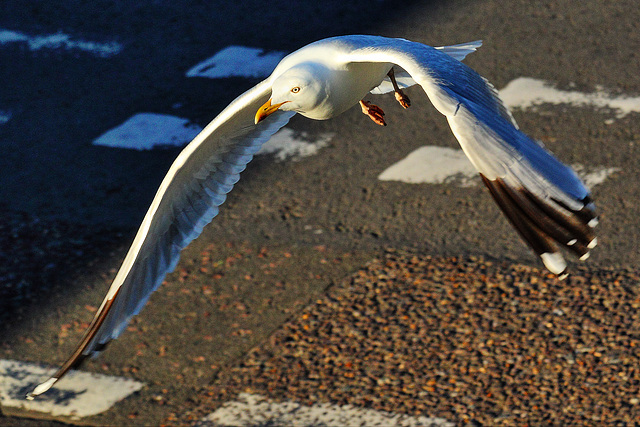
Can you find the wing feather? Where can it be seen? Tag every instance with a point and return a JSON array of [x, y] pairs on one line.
[[188, 199]]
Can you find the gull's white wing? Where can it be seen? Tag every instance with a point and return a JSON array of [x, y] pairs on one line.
[[543, 198], [188, 199], [404, 80]]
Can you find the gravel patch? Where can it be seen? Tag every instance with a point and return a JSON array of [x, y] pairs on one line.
[[464, 339]]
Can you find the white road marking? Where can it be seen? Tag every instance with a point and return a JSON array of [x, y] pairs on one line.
[[237, 61], [79, 394], [145, 131], [59, 41], [526, 92], [592, 176], [433, 165], [442, 165], [251, 410], [287, 145]]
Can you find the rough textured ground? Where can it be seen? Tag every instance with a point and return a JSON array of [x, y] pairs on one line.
[[38, 258], [465, 339]]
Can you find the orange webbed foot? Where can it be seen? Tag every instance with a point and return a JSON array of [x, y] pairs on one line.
[[400, 95], [374, 112], [402, 99]]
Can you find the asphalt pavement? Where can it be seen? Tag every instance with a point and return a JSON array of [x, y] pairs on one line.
[[320, 236]]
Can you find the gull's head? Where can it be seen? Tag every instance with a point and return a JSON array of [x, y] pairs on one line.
[[301, 89]]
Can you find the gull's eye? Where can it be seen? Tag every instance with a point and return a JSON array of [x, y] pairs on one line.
[[295, 89]]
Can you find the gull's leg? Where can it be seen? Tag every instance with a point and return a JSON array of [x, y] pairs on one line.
[[400, 95], [374, 112]]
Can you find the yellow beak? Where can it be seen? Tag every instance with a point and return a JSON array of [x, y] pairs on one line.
[[267, 109]]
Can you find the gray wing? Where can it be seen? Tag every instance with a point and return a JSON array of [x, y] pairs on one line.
[[188, 198], [543, 198]]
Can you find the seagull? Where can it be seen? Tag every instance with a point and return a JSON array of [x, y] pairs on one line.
[[542, 198]]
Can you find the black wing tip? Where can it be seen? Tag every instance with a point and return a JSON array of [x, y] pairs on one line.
[[544, 226]]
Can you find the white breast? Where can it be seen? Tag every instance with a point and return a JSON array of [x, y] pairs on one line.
[[347, 86]]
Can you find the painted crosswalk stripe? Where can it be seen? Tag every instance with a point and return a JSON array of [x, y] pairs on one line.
[[80, 394], [443, 165], [237, 61], [251, 410], [59, 41], [526, 93], [288, 145], [433, 165], [145, 131]]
